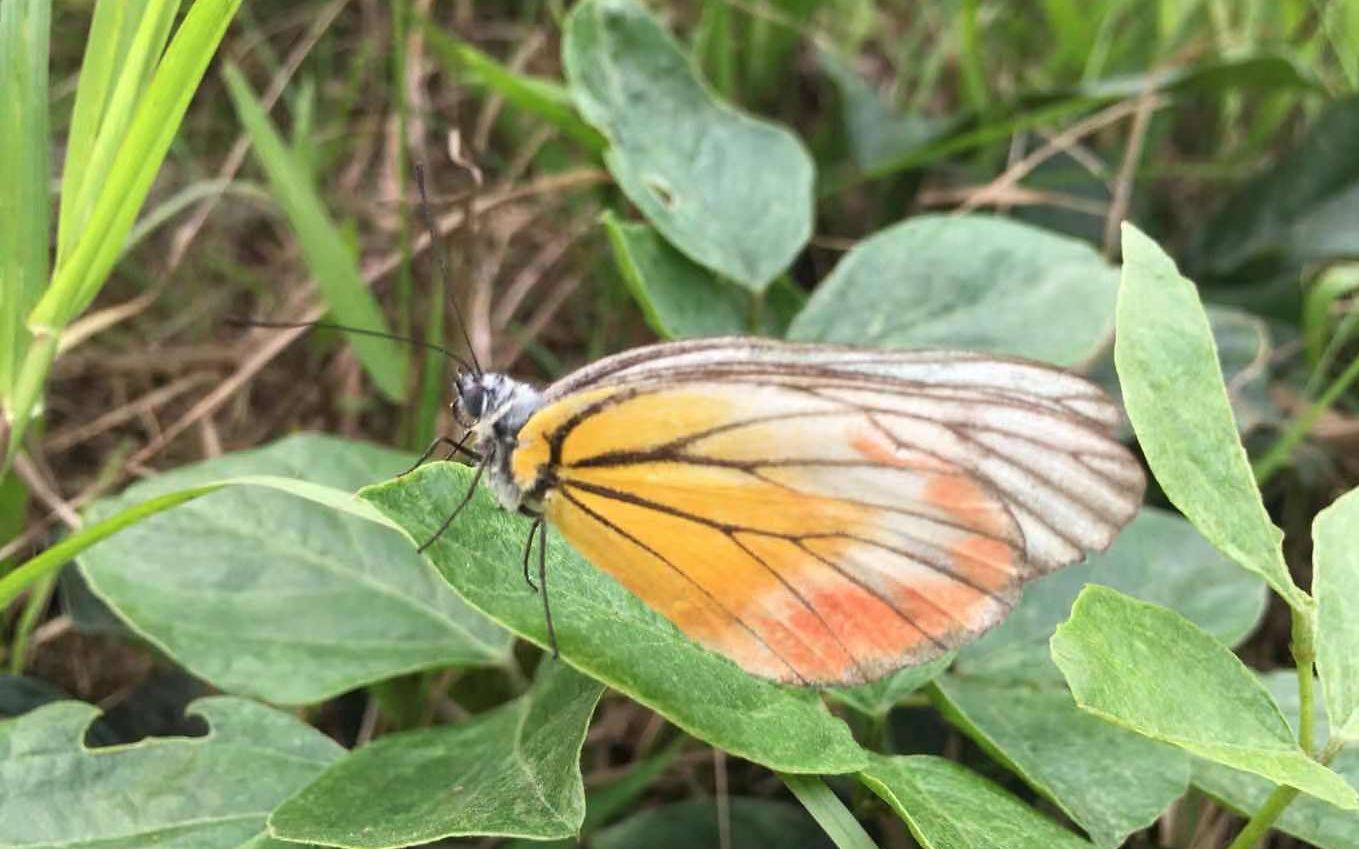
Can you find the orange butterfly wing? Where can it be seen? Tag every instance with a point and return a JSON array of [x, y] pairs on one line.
[[822, 531]]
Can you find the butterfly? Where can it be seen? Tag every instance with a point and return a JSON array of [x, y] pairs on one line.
[[820, 515]]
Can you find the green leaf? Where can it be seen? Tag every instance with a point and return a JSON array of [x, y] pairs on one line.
[[1153, 671], [25, 200], [268, 595], [877, 135], [947, 806], [514, 771], [333, 267], [1177, 403], [731, 192], [1159, 558], [1335, 584], [1306, 818], [609, 634], [679, 298], [545, 98], [1302, 210], [212, 792], [972, 281], [877, 698], [1110, 781], [694, 823]]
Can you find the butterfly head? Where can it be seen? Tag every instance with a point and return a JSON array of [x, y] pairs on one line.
[[489, 402]]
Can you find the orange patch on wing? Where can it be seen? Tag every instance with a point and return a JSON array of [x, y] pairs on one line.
[[968, 503], [985, 562]]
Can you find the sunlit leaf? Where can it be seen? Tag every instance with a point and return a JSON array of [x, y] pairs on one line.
[[1153, 671], [1335, 584], [274, 596]]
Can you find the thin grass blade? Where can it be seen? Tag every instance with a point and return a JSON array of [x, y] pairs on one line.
[[332, 266]]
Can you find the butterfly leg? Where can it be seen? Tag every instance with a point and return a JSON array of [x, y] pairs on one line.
[[466, 499], [542, 582], [528, 550], [455, 447]]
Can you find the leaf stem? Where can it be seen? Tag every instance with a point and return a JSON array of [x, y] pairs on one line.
[[1304, 655], [828, 811]]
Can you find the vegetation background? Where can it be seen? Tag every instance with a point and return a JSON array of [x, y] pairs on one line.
[[1226, 130]]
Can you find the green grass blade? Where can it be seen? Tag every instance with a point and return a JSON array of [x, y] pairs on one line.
[[111, 31], [128, 84], [324, 250], [153, 128], [24, 201], [547, 99], [828, 811]]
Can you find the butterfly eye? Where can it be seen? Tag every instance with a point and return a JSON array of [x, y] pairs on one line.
[[474, 400]]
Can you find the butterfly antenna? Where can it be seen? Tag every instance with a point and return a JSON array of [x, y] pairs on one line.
[[237, 321], [437, 246]]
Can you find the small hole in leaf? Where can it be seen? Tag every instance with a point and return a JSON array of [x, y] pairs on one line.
[[660, 190]]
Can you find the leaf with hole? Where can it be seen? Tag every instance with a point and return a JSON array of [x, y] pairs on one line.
[[513, 771], [731, 192], [973, 281], [270, 595], [58, 792], [1155, 672], [609, 634]]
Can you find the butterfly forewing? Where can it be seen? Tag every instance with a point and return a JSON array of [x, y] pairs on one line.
[[827, 515]]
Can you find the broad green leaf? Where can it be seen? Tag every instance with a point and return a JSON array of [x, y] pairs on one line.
[[1306, 818], [731, 192], [545, 98], [877, 698], [25, 199], [1335, 585], [1159, 558], [333, 267], [514, 771], [1110, 781], [269, 595], [1153, 671], [947, 806], [1304, 209], [212, 792], [609, 634], [694, 824], [877, 135], [679, 298], [973, 281], [1177, 403], [604, 803]]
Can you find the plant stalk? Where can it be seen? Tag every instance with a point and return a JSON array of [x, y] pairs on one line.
[[42, 350]]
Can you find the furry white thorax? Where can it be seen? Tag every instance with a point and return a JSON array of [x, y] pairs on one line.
[[494, 407]]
